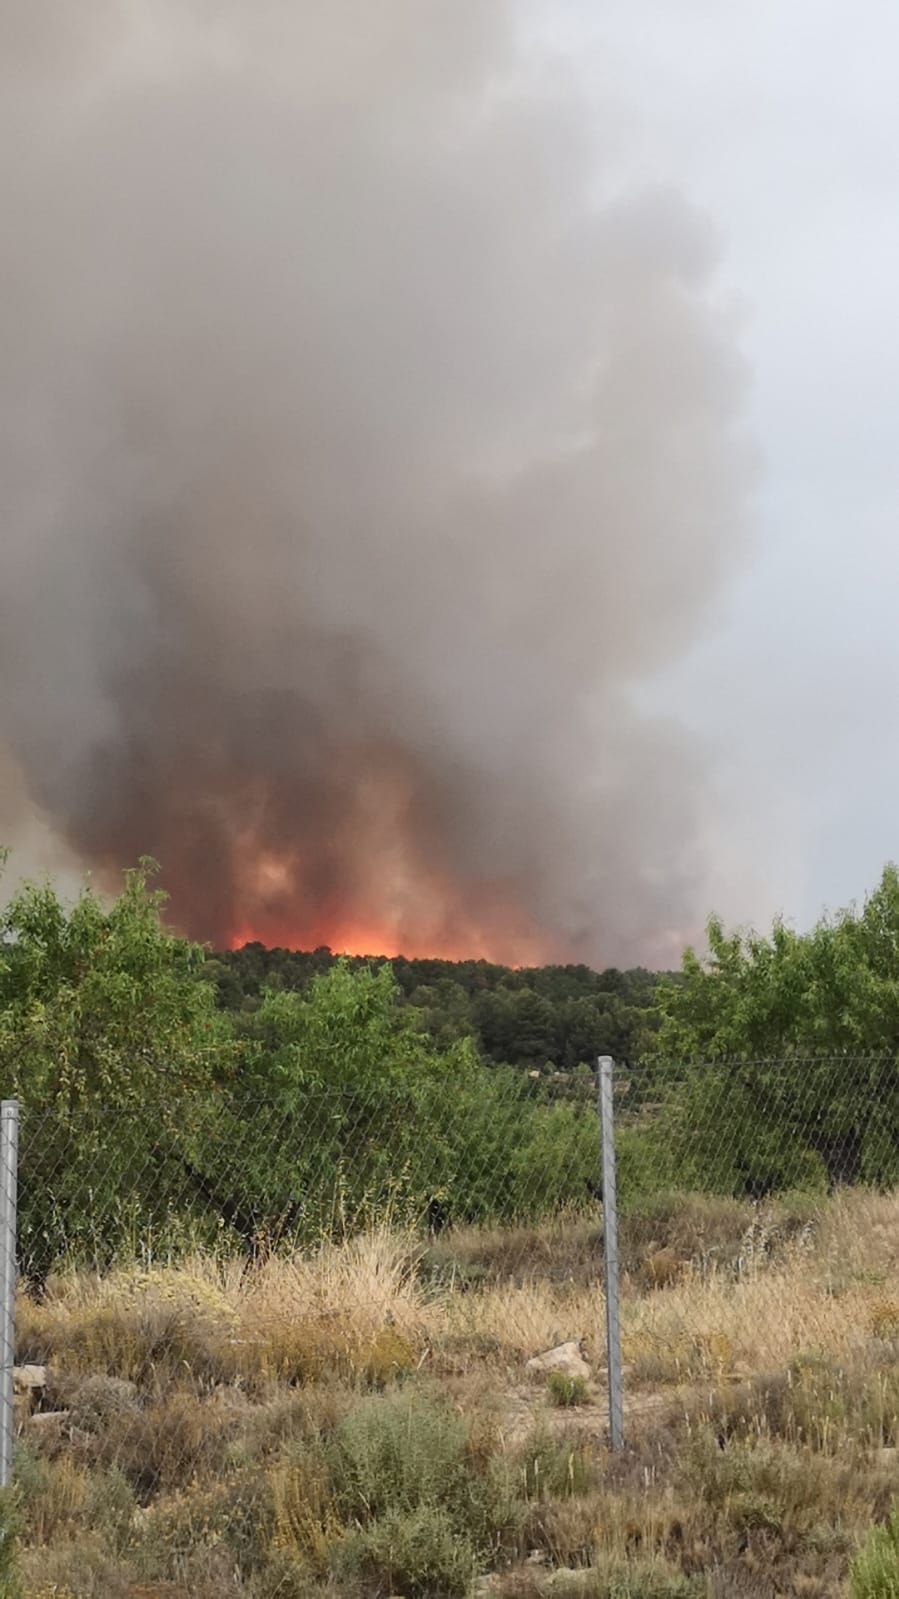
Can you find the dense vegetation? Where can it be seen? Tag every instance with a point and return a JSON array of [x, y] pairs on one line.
[[558, 1016], [266, 1094]]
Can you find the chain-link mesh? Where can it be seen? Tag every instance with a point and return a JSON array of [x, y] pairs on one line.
[[759, 1218], [239, 1176], [212, 1292]]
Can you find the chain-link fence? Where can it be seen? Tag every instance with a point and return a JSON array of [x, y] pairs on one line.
[[759, 1213], [199, 1282]]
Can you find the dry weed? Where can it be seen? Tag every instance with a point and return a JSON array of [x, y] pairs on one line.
[[219, 1398]]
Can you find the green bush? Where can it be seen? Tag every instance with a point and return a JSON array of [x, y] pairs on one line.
[[566, 1391], [399, 1452], [418, 1552], [422, 1509], [874, 1573], [632, 1579], [651, 1580]]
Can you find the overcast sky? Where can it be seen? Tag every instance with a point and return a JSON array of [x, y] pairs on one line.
[[782, 121]]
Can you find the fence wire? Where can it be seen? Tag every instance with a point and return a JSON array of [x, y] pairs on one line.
[[760, 1218], [205, 1286]]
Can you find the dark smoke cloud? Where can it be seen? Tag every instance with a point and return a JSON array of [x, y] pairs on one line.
[[365, 446]]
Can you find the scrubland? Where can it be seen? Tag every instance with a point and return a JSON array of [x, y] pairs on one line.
[[360, 1421]]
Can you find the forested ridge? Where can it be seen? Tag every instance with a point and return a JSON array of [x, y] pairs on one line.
[[542, 1016]]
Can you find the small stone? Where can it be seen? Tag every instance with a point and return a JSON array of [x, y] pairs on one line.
[[566, 1358]]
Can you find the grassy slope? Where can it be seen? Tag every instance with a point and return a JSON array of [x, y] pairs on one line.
[[361, 1423]]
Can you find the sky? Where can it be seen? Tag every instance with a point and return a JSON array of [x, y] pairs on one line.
[[782, 123], [746, 168]]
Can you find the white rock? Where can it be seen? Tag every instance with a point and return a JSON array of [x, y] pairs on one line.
[[566, 1358]]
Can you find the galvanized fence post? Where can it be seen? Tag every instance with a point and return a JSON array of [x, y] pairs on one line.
[[9, 1156], [610, 1251]]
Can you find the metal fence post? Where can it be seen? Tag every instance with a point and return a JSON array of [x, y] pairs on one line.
[[9, 1156], [610, 1251]]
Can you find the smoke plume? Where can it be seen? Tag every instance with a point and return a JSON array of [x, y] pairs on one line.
[[367, 444]]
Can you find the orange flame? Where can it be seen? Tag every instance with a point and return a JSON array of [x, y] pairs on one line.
[[434, 925], [397, 893], [351, 936]]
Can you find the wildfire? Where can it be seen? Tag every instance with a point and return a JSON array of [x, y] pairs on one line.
[[350, 936], [429, 918], [376, 883]]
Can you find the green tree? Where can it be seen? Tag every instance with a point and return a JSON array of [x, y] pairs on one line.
[[152, 1119], [517, 1026], [809, 1024], [100, 1006], [368, 1114], [835, 988], [107, 1037], [345, 1110]]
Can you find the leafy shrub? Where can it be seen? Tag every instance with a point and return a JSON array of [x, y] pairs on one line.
[[874, 1573], [566, 1391], [650, 1580], [416, 1552], [75, 1568], [425, 1501], [101, 1402], [205, 1528], [397, 1453]]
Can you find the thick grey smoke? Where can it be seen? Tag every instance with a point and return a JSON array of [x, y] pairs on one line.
[[365, 445]]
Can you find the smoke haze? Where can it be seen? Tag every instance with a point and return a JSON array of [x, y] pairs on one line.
[[366, 445]]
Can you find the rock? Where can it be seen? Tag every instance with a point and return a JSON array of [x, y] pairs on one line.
[[28, 1385], [27, 1379], [566, 1358]]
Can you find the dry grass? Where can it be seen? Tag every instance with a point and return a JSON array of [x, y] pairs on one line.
[[376, 1304], [201, 1407], [357, 1308]]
